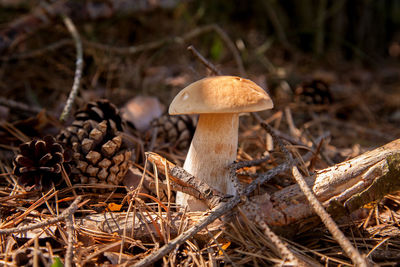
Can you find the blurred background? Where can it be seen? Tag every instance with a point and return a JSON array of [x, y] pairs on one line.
[[337, 57]]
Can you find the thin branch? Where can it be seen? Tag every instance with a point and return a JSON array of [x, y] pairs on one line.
[[69, 255], [67, 212], [78, 71], [214, 214], [338, 235], [203, 60], [249, 163], [317, 206]]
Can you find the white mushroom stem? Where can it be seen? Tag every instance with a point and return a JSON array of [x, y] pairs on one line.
[[213, 149]]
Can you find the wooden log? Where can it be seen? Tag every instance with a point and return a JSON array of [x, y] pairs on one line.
[[350, 184]]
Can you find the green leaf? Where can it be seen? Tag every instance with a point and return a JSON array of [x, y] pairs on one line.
[[57, 262]]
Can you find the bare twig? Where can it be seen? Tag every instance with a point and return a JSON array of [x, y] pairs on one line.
[[318, 208], [214, 214], [338, 235], [249, 163], [203, 60], [69, 255], [67, 212], [78, 71], [282, 248]]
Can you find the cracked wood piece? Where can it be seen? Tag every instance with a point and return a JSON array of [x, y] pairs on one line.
[[349, 183]]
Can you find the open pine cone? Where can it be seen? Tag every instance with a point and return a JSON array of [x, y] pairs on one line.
[[178, 131], [39, 163], [100, 154]]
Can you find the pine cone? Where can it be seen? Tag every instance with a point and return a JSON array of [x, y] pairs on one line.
[[176, 130], [315, 92], [100, 154], [39, 163]]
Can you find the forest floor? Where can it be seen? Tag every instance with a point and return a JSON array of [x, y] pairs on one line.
[[354, 106]]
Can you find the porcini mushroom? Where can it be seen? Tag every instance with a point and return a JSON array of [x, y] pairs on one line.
[[218, 100]]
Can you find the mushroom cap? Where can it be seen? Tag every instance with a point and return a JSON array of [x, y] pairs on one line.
[[220, 94]]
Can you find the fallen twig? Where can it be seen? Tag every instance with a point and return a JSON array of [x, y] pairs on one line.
[[330, 224], [212, 215], [69, 255], [67, 212], [203, 60], [78, 71], [319, 209]]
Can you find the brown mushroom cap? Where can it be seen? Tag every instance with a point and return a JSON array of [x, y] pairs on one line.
[[220, 94]]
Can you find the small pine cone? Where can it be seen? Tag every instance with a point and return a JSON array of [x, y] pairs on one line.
[[315, 92], [100, 155], [39, 163], [176, 130]]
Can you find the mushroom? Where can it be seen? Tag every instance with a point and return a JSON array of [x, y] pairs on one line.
[[218, 100]]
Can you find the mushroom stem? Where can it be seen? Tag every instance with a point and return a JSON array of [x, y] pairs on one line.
[[213, 148]]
